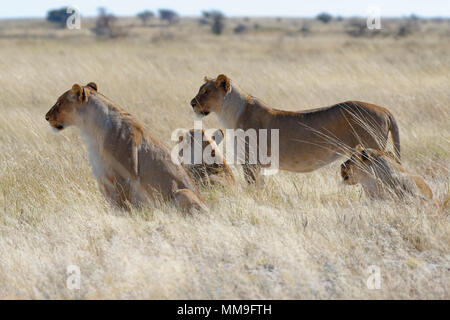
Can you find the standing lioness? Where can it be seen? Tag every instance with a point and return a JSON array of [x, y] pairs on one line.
[[308, 139], [130, 165]]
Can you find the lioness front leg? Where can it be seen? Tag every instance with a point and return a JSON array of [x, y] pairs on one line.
[[188, 202], [118, 194]]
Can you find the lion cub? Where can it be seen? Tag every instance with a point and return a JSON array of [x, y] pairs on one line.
[[131, 166], [204, 173], [381, 175]]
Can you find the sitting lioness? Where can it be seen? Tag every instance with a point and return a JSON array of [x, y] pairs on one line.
[[204, 173], [308, 139], [381, 175], [130, 165]]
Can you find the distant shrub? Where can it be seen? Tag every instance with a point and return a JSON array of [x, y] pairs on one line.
[[324, 17], [240, 28], [203, 21], [58, 16], [407, 28], [207, 14], [357, 28], [305, 29], [414, 17], [163, 36], [168, 15], [145, 16], [106, 25]]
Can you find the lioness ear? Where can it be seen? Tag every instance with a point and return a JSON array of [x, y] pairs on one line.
[[206, 78], [92, 85], [218, 136], [362, 153], [392, 156], [78, 91], [222, 81]]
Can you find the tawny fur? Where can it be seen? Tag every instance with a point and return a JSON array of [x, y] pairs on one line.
[[382, 176], [130, 165], [187, 203], [206, 173], [309, 139]]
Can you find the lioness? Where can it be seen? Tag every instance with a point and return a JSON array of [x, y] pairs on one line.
[[308, 139], [381, 175], [130, 165], [204, 173]]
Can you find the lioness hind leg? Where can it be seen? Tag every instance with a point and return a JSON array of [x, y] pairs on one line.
[[252, 174], [187, 201]]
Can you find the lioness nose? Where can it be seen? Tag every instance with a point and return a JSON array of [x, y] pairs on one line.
[[193, 103], [47, 117]]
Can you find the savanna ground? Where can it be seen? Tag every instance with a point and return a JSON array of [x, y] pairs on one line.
[[301, 236]]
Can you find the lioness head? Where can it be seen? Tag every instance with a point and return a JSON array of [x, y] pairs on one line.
[[211, 95], [355, 169], [201, 137], [63, 112], [198, 137], [362, 162]]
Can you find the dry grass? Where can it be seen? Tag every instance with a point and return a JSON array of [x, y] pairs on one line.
[[302, 236]]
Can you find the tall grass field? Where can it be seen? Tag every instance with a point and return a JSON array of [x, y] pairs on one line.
[[300, 236]]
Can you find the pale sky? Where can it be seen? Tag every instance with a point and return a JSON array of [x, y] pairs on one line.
[[292, 8]]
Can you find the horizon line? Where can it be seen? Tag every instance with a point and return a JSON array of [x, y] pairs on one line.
[[254, 16]]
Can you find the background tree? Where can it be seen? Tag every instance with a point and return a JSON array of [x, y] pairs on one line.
[[106, 25], [145, 16], [58, 16], [240, 28], [216, 19], [218, 24], [324, 17], [169, 15]]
